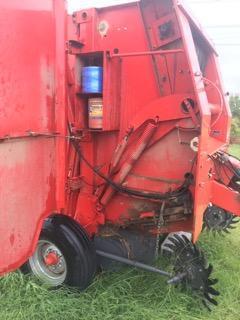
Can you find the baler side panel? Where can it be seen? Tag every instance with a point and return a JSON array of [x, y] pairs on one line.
[[31, 107], [215, 129]]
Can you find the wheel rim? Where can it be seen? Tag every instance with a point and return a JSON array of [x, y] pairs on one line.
[[49, 264]]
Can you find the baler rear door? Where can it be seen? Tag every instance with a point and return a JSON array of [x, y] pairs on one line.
[[32, 102]]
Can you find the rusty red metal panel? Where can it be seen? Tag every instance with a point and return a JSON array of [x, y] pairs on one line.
[[158, 65], [158, 68], [210, 139], [32, 103]]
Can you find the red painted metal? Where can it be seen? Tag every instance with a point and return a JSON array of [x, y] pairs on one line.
[[161, 89], [220, 193], [146, 53], [32, 111], [140, 145], [51, 259]]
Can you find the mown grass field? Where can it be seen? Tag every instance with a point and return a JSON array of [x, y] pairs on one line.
[[130, 294], [235, 150]]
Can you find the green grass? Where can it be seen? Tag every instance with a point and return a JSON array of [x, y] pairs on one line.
[[235, 150], [130, 294]]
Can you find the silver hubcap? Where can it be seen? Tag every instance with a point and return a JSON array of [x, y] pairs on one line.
[[49, 264]]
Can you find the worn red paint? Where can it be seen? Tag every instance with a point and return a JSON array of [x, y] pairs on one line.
[[30, 74], [148, 76], [51, 259]]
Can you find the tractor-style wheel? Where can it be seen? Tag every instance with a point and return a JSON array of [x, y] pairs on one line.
[[64, 256]]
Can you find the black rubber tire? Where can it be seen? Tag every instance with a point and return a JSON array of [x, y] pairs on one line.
[[76, 247]]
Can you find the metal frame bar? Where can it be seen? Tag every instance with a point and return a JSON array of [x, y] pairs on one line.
[[145, 53]]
